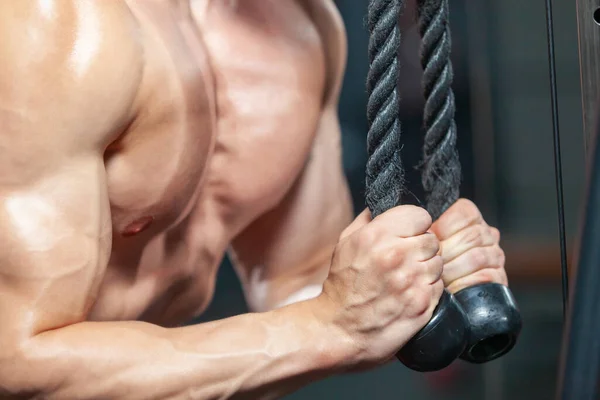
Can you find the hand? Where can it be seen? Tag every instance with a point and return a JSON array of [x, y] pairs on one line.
[[384, 283], [469, 247]]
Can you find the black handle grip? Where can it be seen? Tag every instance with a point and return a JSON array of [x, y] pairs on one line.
[[494, 321], [478, 324], [441, 341]]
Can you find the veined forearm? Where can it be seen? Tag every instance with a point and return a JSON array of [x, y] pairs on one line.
[[252, 356]]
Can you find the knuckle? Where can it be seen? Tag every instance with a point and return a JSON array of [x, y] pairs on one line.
[[437, 244], [468, 210], [416, 217], [495, 234], [432, 242], [416, 214], [389, 258], [426, 245], [420, 301], [423, 217], [432, 268], [475, 235], [501, 256], [478, 257], [467, 206], [401, 281], [437, 266]]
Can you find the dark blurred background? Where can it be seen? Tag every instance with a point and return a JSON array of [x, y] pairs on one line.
[[505, 139]]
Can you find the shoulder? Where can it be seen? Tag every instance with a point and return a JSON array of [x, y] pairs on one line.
[[330, 25], [83, 37], [67, 60]]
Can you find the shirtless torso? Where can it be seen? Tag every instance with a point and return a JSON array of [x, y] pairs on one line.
[[228, 106], [224, 100], [141, 140]]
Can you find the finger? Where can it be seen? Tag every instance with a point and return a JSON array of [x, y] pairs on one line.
[[472, 261], [422, 247], [488, 275], [495, 233], [478, 235], [428, 272], [436, 292], [391, 252], [460, 215], [432, 269], [404, 221], [361, 220]]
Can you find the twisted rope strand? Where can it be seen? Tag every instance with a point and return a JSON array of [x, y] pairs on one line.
[[441, 173], [385, 175]]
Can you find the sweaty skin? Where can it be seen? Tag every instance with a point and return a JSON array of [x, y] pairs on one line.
[[142, 140]]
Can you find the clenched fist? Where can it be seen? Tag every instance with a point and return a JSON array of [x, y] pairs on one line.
[[469, 247], [384, 282]]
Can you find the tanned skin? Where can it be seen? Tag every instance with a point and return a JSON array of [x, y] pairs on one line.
[[142, 140]]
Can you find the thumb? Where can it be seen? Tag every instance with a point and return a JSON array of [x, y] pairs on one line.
[[361, 220]]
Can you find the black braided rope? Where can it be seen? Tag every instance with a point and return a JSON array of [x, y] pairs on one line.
[[441, 172], [384, 176]]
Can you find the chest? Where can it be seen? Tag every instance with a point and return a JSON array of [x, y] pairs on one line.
[[229, 106], [269, 72]]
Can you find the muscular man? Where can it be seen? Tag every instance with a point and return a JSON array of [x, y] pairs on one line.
[[139, 141]]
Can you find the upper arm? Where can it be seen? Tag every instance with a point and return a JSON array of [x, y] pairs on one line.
[[66, 89], [290, 246]]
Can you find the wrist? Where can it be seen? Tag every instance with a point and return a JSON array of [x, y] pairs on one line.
[[339, 350]]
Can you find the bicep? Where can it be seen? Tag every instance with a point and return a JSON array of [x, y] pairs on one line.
[[291, 245], [56, 119], [56, 234]]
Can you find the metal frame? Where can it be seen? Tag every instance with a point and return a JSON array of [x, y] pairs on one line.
[[589, 58], [580, 361]]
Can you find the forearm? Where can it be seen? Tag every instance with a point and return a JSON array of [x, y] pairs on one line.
[[252, 356]]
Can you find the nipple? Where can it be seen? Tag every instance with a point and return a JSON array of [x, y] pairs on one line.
[[137, 226]]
